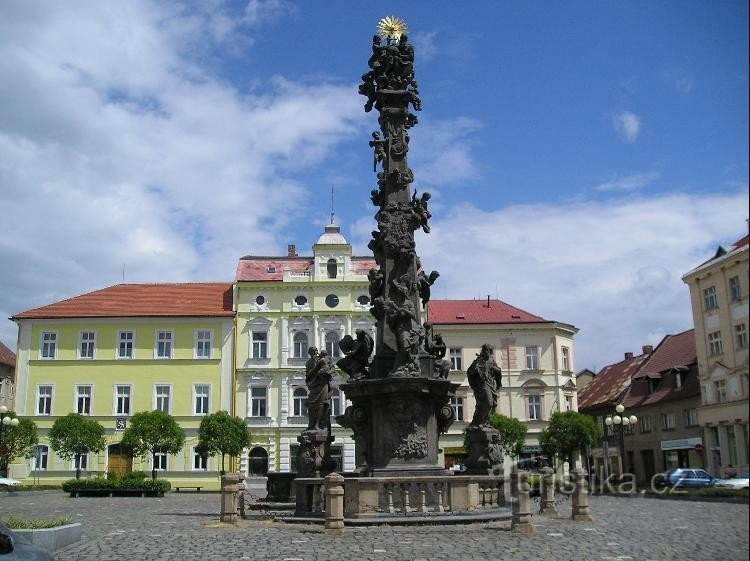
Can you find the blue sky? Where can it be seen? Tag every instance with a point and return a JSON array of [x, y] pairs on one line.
[[582, 156]]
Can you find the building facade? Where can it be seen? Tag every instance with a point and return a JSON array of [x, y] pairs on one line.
[[7, 376], [536, 357], [719, 300], [114, 352]]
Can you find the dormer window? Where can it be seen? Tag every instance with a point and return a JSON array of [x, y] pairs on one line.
[[332, 267], [270, 269], [652, 385]]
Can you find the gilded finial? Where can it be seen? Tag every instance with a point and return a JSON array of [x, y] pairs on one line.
[[391, 27]]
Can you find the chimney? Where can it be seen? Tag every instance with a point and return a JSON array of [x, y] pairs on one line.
[[648, 349], [488, 300], [291, 250], [628, 356]]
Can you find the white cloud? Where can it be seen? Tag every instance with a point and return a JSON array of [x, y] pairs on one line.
[[628, 182], [628, 125], [613, 269], [684, 84], [425, 44]]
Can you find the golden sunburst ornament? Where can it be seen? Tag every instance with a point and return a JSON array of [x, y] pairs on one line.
[[391, 27]]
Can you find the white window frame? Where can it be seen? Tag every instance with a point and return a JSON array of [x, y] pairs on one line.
[[251, 400], [77, 395], [203, 344], [735, 289], [128, 343], [204, 399], [298, 349], [116, 400], [569, 402], [260, 345], [158, 340], [44, 457], [89, 351], [715, 344], [690, 417], [157, 397], [644, 424], [456, 358], [532, 357], [334, 401], [332, 347], [710, 301], [203, 459], [565, 356], [157, 459], [668, 421], [740, 336], [84, 462], [457, 403], [538, 402], [48, 339], [299, 401], [49, 397], [720, 391]]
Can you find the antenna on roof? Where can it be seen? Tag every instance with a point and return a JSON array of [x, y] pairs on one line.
[[123, 272], [331, 204]]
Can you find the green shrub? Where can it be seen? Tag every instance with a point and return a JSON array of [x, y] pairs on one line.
[[137, 484], [18, 523], [134, 476]]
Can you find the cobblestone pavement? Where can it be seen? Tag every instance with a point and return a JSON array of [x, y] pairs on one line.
[[185, 527]]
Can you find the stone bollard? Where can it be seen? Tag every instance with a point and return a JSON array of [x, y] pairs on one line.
[[241, 488], [521, 522], [547, 493], [581, 511], [229, 489], [334, 490]]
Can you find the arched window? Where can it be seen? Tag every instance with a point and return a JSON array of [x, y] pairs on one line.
[[257, 461], [300, 345], [39, 455], [299, 397], [335, 402], [332, 344], [332, 267]]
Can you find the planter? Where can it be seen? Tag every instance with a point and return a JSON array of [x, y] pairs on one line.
[[52, 539]]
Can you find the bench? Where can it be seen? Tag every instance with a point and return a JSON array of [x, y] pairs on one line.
[[197, 489]]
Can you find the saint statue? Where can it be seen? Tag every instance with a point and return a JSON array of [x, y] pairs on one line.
[[484, 379]]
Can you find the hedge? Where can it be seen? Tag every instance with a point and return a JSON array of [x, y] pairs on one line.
[[147, 485]]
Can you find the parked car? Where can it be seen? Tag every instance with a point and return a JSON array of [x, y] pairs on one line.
[[739, 481], [689, 477], [16, 547], [8, 483]]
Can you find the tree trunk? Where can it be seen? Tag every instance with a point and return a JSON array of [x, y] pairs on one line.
[[78, 466], [222, 464], [153, 466]]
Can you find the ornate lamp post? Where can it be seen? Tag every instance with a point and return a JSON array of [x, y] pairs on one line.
[[6, 421], [620, 421]]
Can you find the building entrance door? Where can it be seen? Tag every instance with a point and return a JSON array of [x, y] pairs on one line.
[[120, 461]]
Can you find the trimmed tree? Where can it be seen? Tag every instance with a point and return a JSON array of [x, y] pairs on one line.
[[153, 432], [219, 433], [17, 441], [512, 434], [74, 436], [569, 432]]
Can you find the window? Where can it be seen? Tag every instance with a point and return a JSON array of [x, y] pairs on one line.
[[81, 462], [720, 391], [201, 399], [335, 402], [332, 300], [44, 400], [715, 346], [260, 344], [83, 400], [569, 403], [203, 343], [258, 399], [160, 460], [161, 397], [667, 421], [125, 344], [532, 358], [86, 343], [456, 359], [691, 417], [363, 300], [260, 299], [49, 345], [200, 460], [122, 400], [652, 385], [732, 447], [164, 344], [644, 423], [300, 345], [299, 397], [565, 358], [332, 344], [535, 407], [740, 336], [332, 268], [709, 298], [39, 457], [300, 300], [679, 380], [458, 407], [735, 292]]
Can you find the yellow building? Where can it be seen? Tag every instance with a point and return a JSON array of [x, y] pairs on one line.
[[114, 352], [719, 299]]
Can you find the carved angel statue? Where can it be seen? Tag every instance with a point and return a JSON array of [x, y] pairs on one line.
[[484, 379], [357, 353]]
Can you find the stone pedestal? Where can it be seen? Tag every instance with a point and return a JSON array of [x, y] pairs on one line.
[[334, 490], [547, 505], [229, 490], [581, 510], [521, 521], [314, 458], [398, 420], [485, 456]]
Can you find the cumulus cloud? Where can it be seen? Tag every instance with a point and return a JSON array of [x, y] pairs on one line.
[[425, 44], [628, 125], [628, 182]]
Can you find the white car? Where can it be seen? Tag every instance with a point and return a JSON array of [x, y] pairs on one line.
[[8, 483], [739, 481]]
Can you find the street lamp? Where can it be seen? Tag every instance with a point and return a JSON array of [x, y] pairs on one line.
[[620, 420], [5, 421]]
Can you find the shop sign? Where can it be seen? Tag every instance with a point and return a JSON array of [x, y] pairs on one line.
[[681, 443]]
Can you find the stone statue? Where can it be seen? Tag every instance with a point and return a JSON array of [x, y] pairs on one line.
[[419, 208], [436, 347], [424, 283], [357, 353], [319, 370], [378, 154], [484, 379]]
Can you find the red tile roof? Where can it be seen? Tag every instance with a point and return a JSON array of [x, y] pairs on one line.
[[7, 356], [252, 268], [142, 300], [452, 312], [722, 251], [609, 384], [675, 351]]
